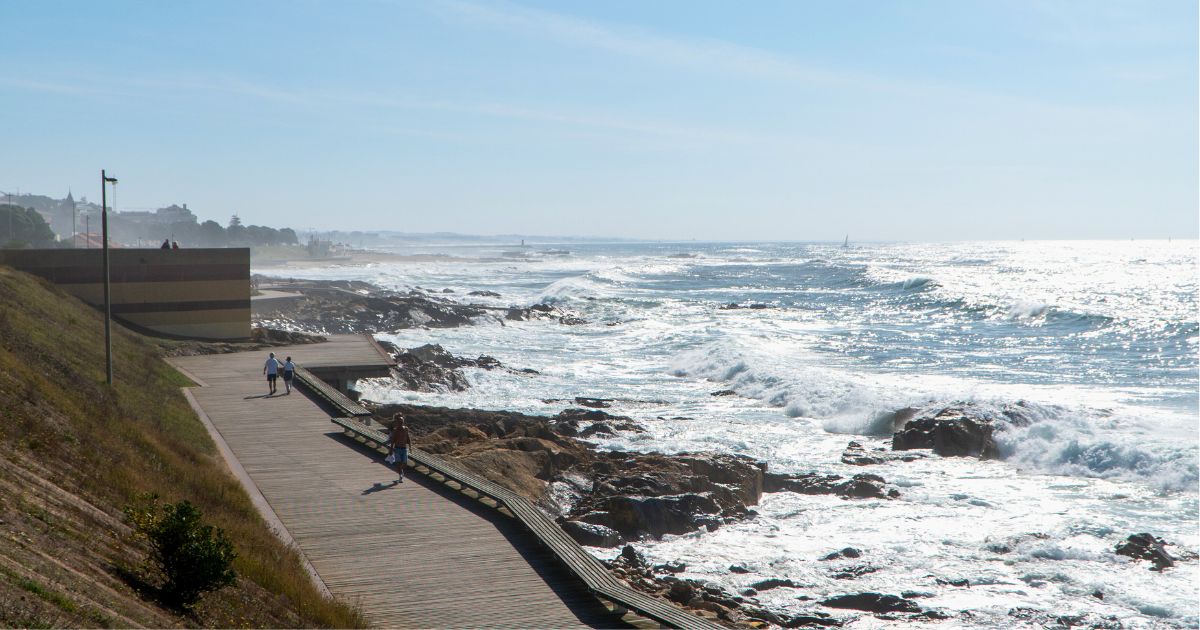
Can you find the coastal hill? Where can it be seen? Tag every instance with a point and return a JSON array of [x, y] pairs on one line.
[[73, 453]]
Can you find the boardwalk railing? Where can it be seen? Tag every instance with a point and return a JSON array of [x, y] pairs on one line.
[[584, 565], [329, 394]]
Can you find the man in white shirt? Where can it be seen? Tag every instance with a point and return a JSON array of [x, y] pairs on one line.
[[271, 369]]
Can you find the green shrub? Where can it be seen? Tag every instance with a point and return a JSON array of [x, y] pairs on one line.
[[194, 557]]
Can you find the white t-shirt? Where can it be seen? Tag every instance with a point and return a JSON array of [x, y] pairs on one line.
[[272, 366], [289, 367]]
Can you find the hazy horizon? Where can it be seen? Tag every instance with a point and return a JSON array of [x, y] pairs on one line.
[[914, 121]]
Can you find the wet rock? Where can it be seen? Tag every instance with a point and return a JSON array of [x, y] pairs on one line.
[[599, 428], [671, 567], [634, 516], [748, 592], [770, 583], [591, 535], [432, 368], [1147, 547], [811, 619], [730, 306], [873, 602], [724, 392], [862, 485], [681, 592], [738, 568], [594, 403], [848, 552], [954, 582], [856, 455], [632, 557], [484, 293], [571, 320], [758, 306], [447, 290], [949, 433], [853, 572]]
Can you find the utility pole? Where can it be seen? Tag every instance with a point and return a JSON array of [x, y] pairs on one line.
[[104, 182], [73, 221]]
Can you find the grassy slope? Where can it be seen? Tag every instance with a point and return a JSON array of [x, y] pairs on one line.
[[72, 453]]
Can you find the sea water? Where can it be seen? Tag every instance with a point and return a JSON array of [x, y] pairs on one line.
[[1098, 339]]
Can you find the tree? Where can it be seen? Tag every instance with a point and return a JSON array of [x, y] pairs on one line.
[[23, 227]]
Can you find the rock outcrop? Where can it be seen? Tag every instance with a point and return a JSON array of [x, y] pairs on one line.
[[873, 602], [1147, 547], [950, 434]]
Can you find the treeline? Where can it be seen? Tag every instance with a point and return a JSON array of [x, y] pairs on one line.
[[23, 227], [210, 234]]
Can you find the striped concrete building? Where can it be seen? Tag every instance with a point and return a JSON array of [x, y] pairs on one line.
[[182, 293]]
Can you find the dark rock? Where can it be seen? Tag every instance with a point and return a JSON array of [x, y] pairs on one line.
[[873, 602], [731, 306], [762, 614], [632, 557], [724, 392], [595, 518], [447, 290], [1098, 594], [571, 320], [934, 615], [598, 428], [862, 485], [950, 433], [848, 552], [681, 592], [594, 403], [484, 293], [853, 572], [758, 306], [671, 567], [915, 594], [432, 368], [748, 592], [954, 582], [856, 455], [770, 583], [1147, 547], [634, 516], [811, 619], [591, 535], [737, 568]]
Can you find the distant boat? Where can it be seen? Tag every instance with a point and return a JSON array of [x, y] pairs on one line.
[[846, 243]]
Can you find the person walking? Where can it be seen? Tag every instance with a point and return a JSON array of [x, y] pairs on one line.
[[271, 369], [399, 441], [166, 244], [289, 370]]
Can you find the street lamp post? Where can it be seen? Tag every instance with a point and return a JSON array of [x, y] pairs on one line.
[[105, 180]]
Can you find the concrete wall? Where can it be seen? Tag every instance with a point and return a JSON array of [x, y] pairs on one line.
[[190, 293]]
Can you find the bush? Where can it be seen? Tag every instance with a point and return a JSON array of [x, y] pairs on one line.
[[194, 557]]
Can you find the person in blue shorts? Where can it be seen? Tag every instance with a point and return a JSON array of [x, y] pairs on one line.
[[399, 441]]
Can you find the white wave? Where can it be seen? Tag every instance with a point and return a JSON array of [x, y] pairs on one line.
[[1079, 443], [1027, 309], [566, 289]]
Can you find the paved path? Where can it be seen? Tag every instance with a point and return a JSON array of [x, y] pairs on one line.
[[412, 554]]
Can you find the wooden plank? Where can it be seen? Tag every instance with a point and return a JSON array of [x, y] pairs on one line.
[[582, 564], [412, 554]]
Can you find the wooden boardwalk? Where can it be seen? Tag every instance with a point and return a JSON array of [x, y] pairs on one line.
[[409, 555]]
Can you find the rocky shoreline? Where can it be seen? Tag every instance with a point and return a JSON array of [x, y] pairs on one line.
[[613, 499]]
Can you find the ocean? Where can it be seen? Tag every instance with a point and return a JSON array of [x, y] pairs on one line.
[[1099, 341]]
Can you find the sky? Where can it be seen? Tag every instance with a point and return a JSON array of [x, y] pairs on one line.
[[674, 119]]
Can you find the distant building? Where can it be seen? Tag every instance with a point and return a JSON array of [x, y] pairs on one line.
[[162, 216]]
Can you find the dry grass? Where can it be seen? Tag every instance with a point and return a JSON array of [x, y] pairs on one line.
[[95, 449]]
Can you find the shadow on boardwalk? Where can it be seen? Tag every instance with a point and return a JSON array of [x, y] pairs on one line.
[[582, 603]]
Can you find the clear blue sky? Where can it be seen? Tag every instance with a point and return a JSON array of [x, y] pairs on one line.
[[791, 120]]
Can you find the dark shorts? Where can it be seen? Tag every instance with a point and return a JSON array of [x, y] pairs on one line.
[[271, 378], [287, 376]]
